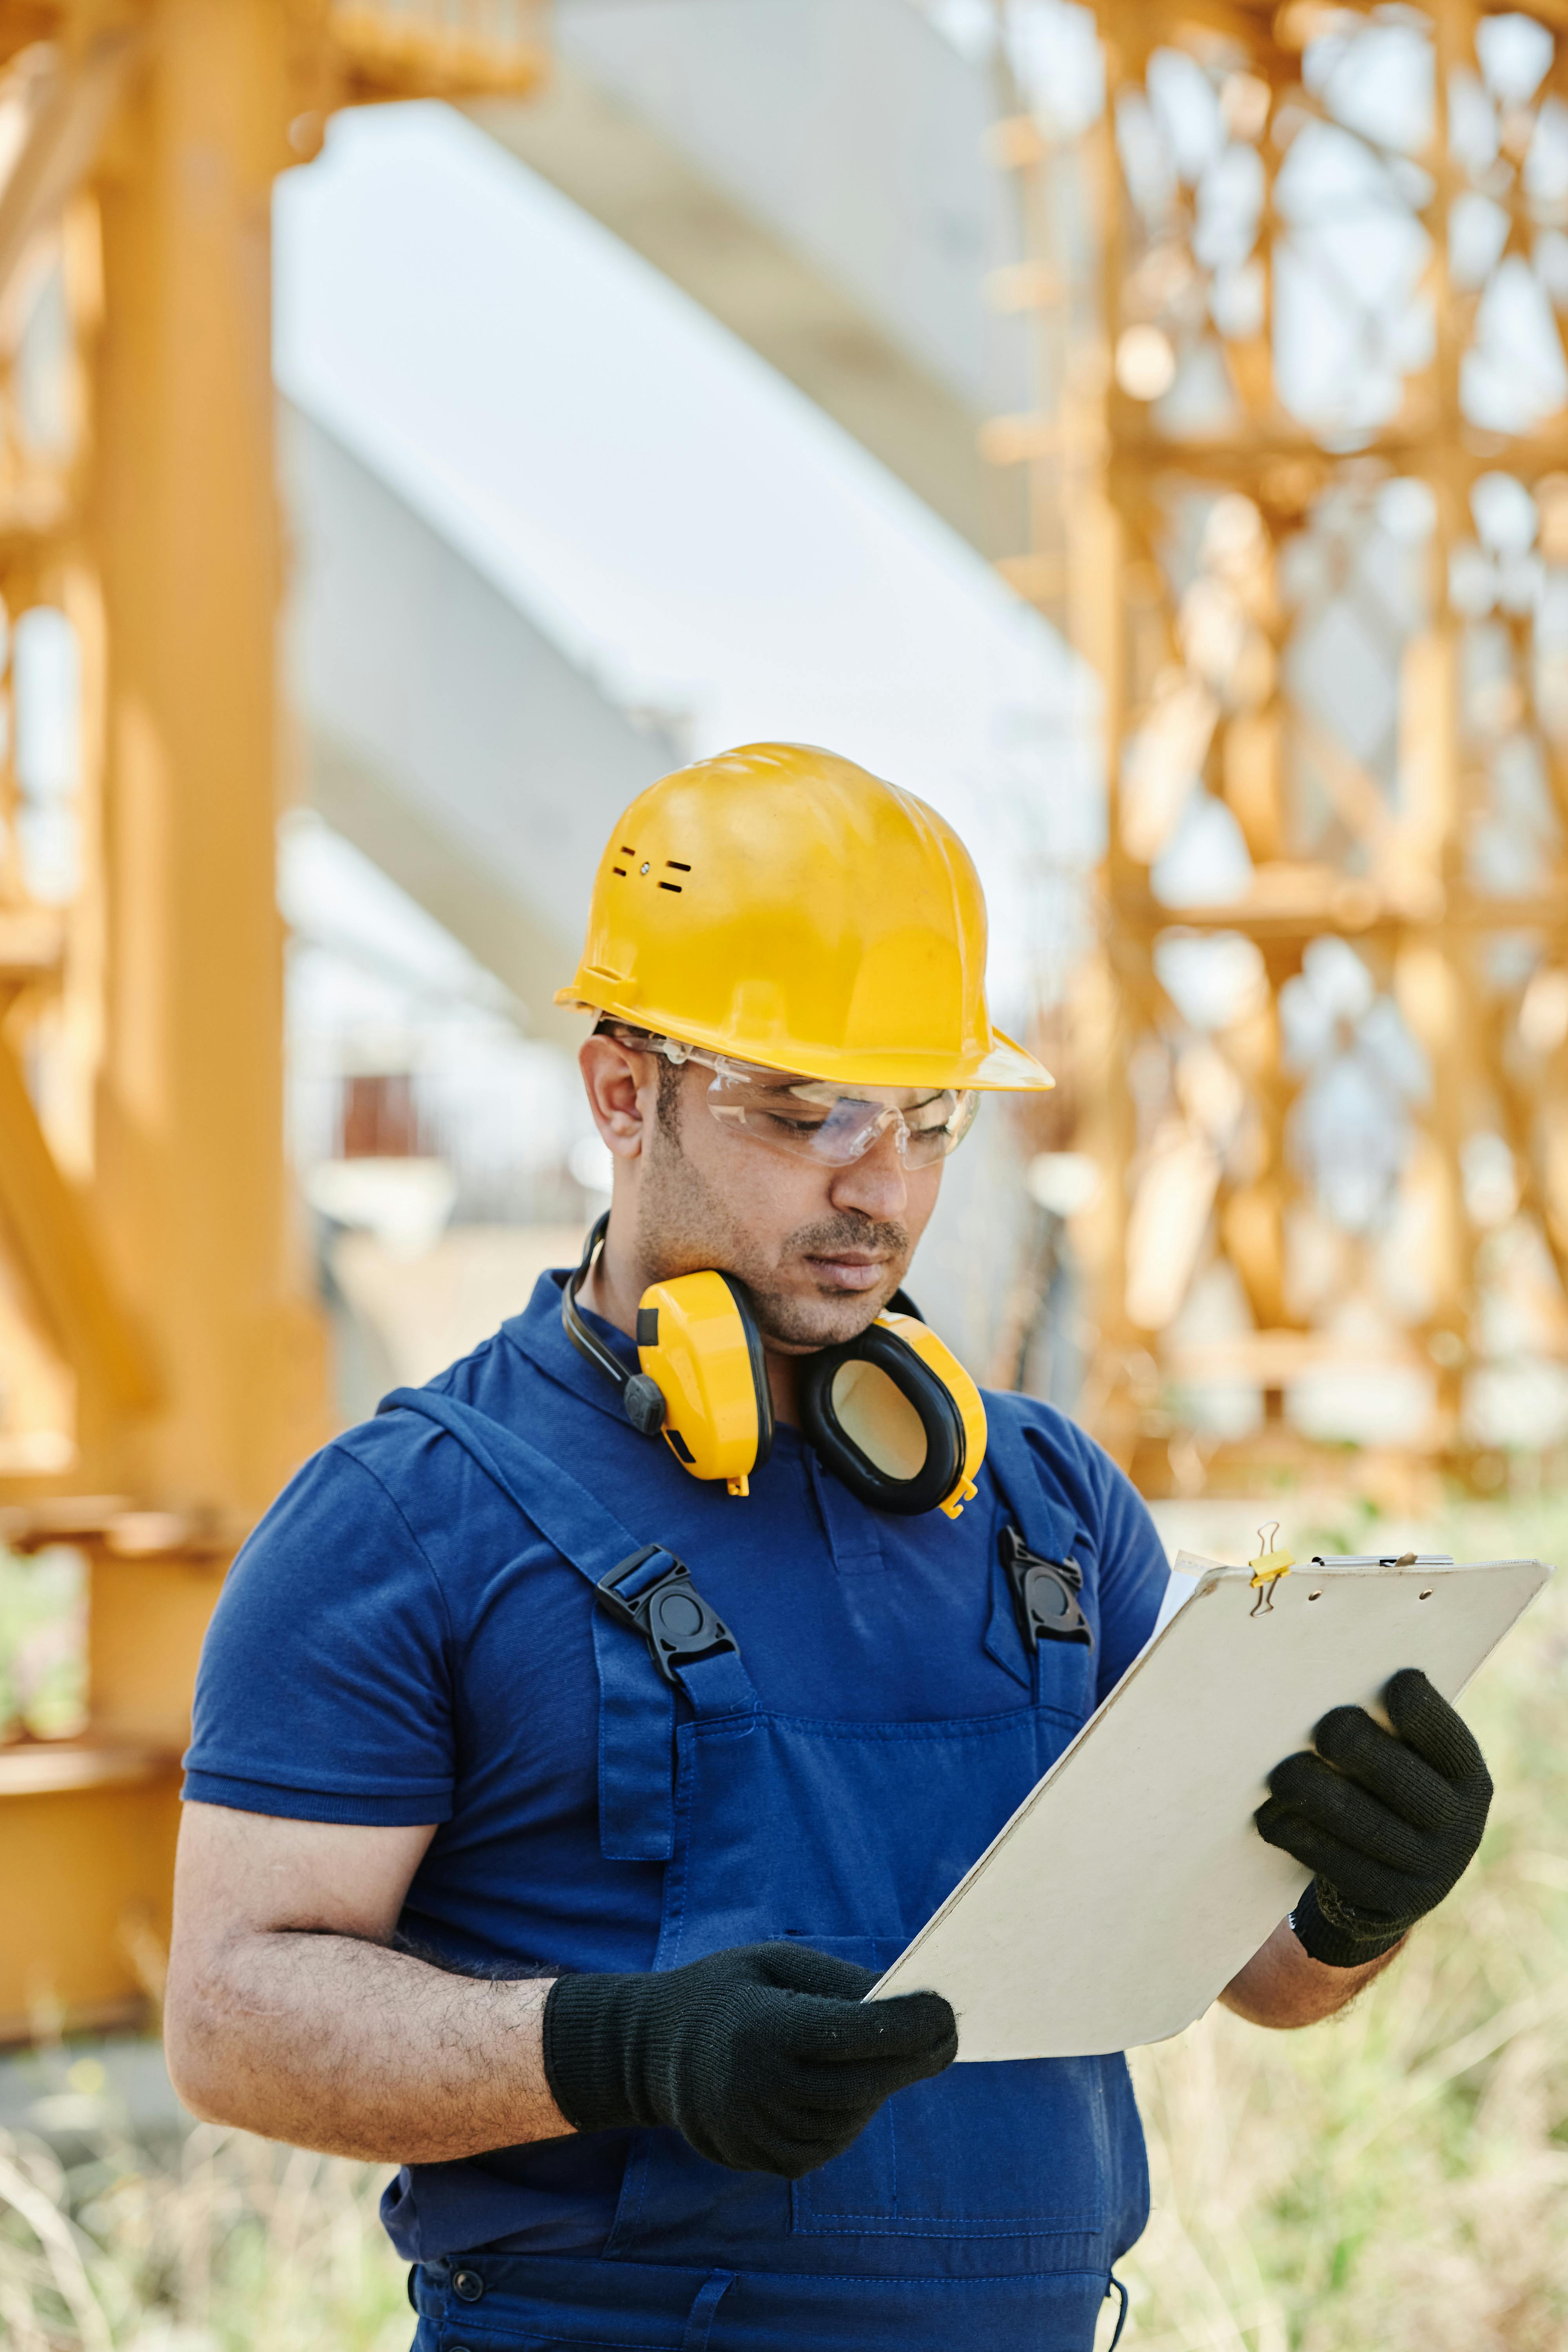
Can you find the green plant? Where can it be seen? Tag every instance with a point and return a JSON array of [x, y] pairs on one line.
[[43, 1650]]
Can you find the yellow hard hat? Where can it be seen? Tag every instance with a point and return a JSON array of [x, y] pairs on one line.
[[783, 907]]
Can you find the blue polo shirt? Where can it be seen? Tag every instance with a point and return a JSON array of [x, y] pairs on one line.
[[397, 1645]]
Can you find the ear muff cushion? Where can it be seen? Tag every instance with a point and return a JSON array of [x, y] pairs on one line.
[[764, 1395], [943, 1426]]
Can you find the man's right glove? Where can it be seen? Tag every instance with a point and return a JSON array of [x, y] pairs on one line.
[[766, 2057]]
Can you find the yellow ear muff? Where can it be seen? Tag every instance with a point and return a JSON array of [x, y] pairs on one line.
[[698, 1342], [893, 1413], [896, 1417]]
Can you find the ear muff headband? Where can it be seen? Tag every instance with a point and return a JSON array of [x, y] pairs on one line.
[[759, 1363], [640, 1396], [888, 1424]]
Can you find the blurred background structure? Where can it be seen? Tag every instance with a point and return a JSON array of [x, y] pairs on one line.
[[160, 1343], [1297, 488], [1143, 433]]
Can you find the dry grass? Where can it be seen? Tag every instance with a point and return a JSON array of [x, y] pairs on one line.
[[1395, 2182], [217, 2243]]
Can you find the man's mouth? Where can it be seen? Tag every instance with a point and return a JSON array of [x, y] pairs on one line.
[[856, 1270]]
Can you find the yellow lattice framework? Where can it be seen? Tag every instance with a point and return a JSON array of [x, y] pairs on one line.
[[1299, 490], [160, 1356]]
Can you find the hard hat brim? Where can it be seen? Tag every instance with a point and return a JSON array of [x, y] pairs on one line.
[[1003, 1067]]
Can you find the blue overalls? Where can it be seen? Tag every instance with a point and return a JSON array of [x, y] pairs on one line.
[[985, 2207]]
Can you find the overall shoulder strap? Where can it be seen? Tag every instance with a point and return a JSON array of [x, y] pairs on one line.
[[549, 1498], [629, 1581], [1048, 1524]]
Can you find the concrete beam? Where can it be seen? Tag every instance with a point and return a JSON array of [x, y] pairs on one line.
[[628, 176], [528, 953], [438, 729]]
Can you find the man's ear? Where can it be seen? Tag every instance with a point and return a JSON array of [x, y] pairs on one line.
[[622, 1087]]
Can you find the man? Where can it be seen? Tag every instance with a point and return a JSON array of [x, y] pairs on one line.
[[557, 1791]]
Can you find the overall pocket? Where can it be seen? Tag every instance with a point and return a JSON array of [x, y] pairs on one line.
[[1019, 2148]]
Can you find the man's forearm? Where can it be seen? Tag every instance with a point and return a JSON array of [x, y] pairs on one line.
[[1283, 1986], [359, 2050]]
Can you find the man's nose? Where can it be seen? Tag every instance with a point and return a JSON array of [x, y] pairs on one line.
[[874, 1184]]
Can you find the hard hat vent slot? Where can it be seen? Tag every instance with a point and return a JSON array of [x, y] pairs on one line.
[[626, 850], [620, 870], [671, 886], [678, 865]]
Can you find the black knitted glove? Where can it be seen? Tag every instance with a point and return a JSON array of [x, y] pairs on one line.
[[1388, 1824], [765, 2056]]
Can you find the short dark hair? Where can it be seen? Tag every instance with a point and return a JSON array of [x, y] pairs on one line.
[[670, 1095], [642, 1041]]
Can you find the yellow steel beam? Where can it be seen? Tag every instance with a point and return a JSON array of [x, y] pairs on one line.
[[190, 1186], [32, 941], [68, 99], [428, 49], [88, 1831], [53, 1241]]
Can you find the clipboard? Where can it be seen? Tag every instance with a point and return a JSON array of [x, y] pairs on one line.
[[1130, 1884]]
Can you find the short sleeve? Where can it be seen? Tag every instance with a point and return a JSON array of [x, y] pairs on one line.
[[1134, 1573], [324, 1690]]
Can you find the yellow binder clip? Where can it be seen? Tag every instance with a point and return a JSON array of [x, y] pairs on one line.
[[1270, 1565]]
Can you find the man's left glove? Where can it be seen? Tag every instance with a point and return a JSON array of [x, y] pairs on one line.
[[1387, 1821]]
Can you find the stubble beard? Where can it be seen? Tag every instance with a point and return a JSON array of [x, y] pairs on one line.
[[684, 1226]]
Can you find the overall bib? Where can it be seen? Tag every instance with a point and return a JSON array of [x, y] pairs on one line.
[[983, 2208]]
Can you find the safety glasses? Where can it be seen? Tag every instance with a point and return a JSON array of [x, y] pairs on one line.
[[815, 1118]]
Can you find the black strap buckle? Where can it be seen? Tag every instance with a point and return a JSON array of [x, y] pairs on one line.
[[668, 1611], [1044, 1595]]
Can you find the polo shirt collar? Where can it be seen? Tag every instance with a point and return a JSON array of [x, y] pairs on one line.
[[538, 1334]]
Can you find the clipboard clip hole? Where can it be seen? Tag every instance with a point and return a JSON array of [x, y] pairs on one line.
[[1427, 1595], [1314, 1596]]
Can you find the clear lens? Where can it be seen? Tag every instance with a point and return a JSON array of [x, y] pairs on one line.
[[822, 1121], [814, 1117]]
